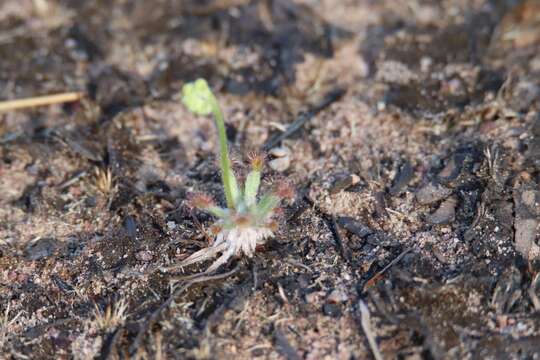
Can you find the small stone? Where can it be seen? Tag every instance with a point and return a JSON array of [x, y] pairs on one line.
[[446, 212], [280, 152], [257, 352], [523, 96], [342, 182], [314, 297], [425, 63], [332, 310], [337, 296], [144, 255], [431, 193], [394, 72], [354, 226], [280, 164], [526, 198], [282, 159]]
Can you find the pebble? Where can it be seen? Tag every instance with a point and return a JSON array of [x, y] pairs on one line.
[[144, 255], [337, 296], [446, 212], [282, 158], [354, 226], [431, 193], [314, 297], [526, 199], [343, 182], [524, 94]]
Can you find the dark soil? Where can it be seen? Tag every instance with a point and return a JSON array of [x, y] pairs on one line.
[[414, 148]]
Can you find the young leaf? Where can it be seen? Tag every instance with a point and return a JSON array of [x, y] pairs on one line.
[[268, 203], [252, 187], [198, 97], [217, 211], [236, 195]]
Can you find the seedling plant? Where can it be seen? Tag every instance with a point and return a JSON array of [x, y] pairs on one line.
[[247, 220]]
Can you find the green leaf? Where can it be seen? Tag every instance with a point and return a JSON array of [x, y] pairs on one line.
[[267, 204], [253, 181], [218, 212], [236, 195], [198, 97]]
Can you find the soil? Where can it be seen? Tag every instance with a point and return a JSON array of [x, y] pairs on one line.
[[415, 158]]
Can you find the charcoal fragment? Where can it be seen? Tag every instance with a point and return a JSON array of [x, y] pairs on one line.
[[460, 167], [332, 310], [343, 182], [402, 179], [88, 149], [41, 249], [354, 226], [130, 226], [507, 291], [524, 94]]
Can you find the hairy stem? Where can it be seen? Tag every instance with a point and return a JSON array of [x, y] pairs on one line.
[[226, 171]]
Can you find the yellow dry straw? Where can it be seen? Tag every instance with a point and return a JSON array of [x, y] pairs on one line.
[[40, 101]]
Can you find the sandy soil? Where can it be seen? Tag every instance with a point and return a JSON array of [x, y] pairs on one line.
[[416, 171]]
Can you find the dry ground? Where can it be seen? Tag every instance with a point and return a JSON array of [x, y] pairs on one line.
[[417, 179]]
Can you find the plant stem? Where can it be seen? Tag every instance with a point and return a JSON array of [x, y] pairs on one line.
[[226, 172]]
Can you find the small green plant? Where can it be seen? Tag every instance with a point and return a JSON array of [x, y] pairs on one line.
[[247, 220]]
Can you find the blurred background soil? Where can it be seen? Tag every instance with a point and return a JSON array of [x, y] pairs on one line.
[[416, 166]]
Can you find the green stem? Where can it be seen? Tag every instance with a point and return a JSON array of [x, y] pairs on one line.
[[226, 172]]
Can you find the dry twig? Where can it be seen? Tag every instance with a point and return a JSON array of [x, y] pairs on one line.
[[303, 118], [154, 317], [40, 101], [365, 319], [378, 275]]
